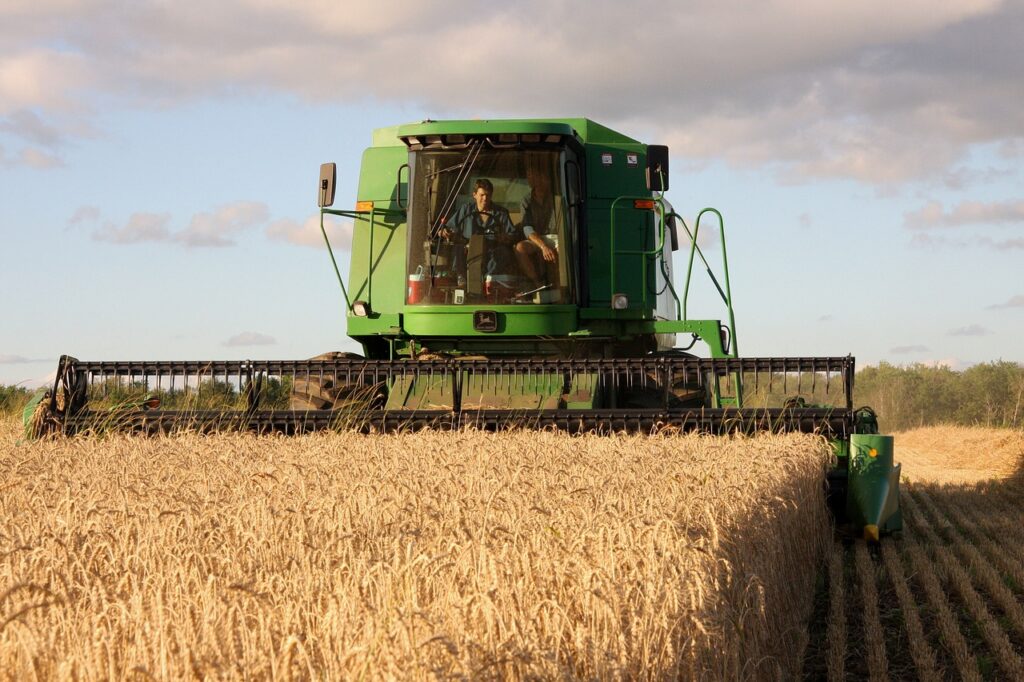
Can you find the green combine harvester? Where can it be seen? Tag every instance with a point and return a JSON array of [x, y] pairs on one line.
[[509, 273]]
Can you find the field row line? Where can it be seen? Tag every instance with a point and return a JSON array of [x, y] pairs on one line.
[[836, 636], [874, 637], [920, 650], [994, 636]]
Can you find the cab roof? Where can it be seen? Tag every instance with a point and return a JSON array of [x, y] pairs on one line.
[[583, 129]]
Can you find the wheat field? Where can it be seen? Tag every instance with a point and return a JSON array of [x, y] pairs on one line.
[[408, 556]]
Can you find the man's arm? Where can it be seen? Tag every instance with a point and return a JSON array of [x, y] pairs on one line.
[[453, 227], [527, 224]]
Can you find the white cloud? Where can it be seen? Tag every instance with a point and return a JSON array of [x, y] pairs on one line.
[[1002, 244], [33, 76], [970, 330], [31, 157], [37, 158], [27, 125], [955, 364], [6, 359], [1014, 302], [140, 228], [308, 232], [877, 91], [216, 228], [84, 214], [906, 350], [250, 339], [934, 215]]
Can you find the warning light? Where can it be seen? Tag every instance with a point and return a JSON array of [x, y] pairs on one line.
[[364, 205], [873, 452], [646, 204]]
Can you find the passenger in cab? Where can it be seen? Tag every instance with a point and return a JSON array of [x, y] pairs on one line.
[[537, 254]]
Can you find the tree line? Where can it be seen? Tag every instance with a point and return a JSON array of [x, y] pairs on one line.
[[990, 394]]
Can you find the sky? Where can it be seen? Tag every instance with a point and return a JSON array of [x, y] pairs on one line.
[[158, 160]]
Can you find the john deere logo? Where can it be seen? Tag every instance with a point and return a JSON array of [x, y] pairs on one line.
[[485, 321]]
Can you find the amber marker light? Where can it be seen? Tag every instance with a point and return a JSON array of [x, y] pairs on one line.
[[646, 204], [364, 206], [873, 452]]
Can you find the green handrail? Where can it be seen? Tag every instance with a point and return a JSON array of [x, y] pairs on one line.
[[356, 215], [727, 294], [334, 262]]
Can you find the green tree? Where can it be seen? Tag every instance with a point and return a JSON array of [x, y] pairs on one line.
[[13, 398], [989, 394]]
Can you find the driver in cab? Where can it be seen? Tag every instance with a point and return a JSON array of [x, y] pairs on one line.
[[484, 218]]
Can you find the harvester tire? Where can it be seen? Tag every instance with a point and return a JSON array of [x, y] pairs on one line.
[[314, 392]]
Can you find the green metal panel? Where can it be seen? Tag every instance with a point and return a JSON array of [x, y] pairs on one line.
[[513, 320], [874, 485], [389, 323], [616, 170], [536, 391], [377, 267], [593, 132]]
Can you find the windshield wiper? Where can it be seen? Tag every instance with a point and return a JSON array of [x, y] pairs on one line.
[[465, 168]]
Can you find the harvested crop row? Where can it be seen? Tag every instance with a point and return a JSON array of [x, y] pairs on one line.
[[836, 638], [920, 650], [981, 567], [874, 638], [949, 629], [1000, 555], [409, 556], [992, 632]]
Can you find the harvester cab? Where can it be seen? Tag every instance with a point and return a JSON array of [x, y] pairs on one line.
[[509, 273], [557, 229]]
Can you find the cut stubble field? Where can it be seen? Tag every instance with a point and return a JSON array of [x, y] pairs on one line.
[[944, 599], [413, 556]]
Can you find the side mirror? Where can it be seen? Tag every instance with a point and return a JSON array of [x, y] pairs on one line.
[[657, 167], [328, 177]]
